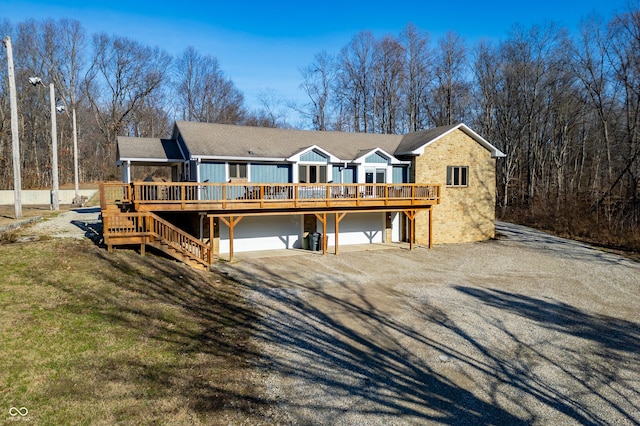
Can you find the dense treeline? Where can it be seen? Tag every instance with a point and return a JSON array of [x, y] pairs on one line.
[[563, 105], [117, 87]]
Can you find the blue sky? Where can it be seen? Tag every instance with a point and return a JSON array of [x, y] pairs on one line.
[[261, 44]]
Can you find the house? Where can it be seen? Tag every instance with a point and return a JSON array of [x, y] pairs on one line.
[[257, 188]]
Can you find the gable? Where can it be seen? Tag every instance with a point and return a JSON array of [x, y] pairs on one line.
[[148, 149], [376, 158], [314, 156], [416, 142]]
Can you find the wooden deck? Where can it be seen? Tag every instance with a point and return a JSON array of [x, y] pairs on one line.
[[129, 210], [186, 196]]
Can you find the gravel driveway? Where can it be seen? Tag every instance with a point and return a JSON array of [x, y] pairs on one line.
[[77, 223], [524, 329]]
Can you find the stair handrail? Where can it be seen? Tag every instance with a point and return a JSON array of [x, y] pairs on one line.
[[201, 254]]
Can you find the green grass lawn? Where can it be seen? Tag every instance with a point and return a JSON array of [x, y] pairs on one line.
[[89, 337]]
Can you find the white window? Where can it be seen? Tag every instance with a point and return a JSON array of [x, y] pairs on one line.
[[312, 173], [457, 175], [237, 170], [375, 176]]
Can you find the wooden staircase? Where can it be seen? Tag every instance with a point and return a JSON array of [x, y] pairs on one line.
[[148, 229]]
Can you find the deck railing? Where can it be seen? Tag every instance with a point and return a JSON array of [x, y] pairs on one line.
[[152, 228], [237, 195], [179, 239]]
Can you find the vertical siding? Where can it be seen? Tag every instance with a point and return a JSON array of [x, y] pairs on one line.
[[270, 173], [313, 156], [347, 175], [336, 175], [213, 172], [376, 158], [400, 174]]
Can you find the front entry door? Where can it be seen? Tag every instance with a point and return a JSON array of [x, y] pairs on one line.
[[373, 176]]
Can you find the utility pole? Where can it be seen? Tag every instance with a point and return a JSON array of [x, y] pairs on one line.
[[54, 147], [76, 186], [15, 142], [54, 141]]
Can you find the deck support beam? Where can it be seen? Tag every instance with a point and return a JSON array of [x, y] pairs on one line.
[[411, 215], [323, 219], [231, 223], [339, 217], [211, 240], [430, 227]]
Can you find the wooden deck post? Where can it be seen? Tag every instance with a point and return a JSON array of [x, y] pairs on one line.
[[323, 218], [324, 233], [411, 214], [103, 199], [430, 226], [211, 241], [339, 217], [231, 223]]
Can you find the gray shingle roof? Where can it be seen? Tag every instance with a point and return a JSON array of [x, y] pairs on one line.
[[415, 140], [224, 140], [208, 140], [148, 149], [414, 143]]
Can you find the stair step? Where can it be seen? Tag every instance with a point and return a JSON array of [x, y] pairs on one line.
[[140, 223], [184, 257]]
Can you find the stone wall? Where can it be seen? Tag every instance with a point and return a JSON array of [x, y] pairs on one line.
[[464, 214]]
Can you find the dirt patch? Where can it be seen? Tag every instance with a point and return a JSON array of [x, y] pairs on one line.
[[525, 329], [7, 213]]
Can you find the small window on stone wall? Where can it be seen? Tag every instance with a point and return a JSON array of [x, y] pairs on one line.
[[457, 175]]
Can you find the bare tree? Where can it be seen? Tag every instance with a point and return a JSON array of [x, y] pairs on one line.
[[624, 52], [272, 112], [355, 79], [593, 69], [450, 94], [418, 75], [388, 82], [122, 75], [318, 78], [202, 91]]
